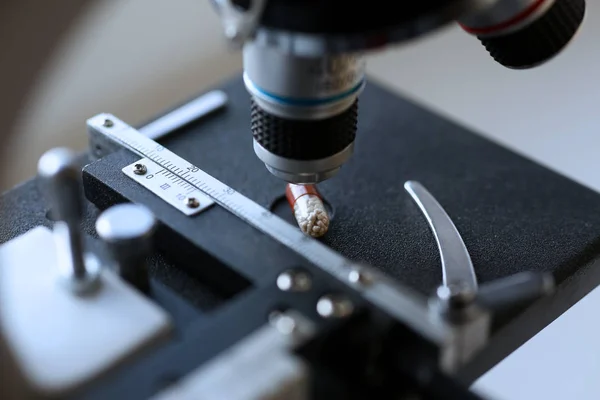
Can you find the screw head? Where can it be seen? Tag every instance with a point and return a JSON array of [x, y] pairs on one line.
[[192, 202], [359, 277], [334, 306], [139, 169], [108, 123], [285, 324], [455, 296], [294, 280]]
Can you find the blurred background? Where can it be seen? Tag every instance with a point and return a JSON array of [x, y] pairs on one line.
[[136, 58]]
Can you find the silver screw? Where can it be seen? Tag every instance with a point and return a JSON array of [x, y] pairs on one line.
[[139, 169], [359, 277], [231, 32], [273, 316], [108, 123], [285, 324], [294, 281], [455, 296], [192, 202], [334, 306]]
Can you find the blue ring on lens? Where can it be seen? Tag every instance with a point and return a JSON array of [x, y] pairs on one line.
[[303, 102]]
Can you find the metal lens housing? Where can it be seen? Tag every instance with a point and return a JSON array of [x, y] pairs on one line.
[[304, 110]]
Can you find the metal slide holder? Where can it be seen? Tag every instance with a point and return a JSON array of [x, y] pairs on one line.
[[460, 300]]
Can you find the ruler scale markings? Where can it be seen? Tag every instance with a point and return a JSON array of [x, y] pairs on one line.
[[169, 187], [399, 301]]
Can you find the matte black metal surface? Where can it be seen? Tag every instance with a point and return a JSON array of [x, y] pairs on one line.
[[338, 17], [514, 215]]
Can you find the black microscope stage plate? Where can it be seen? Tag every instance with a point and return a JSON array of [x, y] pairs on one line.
[[514, 215]]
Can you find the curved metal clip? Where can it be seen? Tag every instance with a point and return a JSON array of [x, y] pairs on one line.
[[457, 268]]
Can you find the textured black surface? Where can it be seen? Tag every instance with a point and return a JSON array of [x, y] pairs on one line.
[[541, 40], [304, 140], [513, 214]]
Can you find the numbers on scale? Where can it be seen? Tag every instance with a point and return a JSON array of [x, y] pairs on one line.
[[150, 176], [193, 168], [181, 197], [159, 148], [228, 191]]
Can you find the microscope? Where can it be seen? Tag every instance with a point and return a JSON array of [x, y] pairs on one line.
[[304, 63], [164, 262]]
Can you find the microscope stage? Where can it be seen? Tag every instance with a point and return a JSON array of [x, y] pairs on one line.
[[513, 214]]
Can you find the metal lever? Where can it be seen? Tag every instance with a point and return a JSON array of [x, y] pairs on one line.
[[521, 288], [460, 301], [62, 175], [459, 281], [457, 269]]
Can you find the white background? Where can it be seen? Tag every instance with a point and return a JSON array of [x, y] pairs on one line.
[[135, 58]]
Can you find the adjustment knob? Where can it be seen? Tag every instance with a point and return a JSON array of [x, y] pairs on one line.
[[60, 173], [531, 36], [127, 230]]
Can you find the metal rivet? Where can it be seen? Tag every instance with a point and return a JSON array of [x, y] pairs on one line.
[[285, 324], [359, 277], [139, 169], [108, 123], [455, 295], [231, 32], [334, 306], [192, 202], [294, 281]]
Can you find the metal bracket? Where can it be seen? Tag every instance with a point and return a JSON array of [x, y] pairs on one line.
[[168, 186], [459, 301], [262, 366]]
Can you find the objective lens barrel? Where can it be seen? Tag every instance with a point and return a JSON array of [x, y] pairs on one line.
[[294, 87], [304, 110]]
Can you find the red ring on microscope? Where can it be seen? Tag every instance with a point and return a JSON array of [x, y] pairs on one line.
[[520, 17]]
